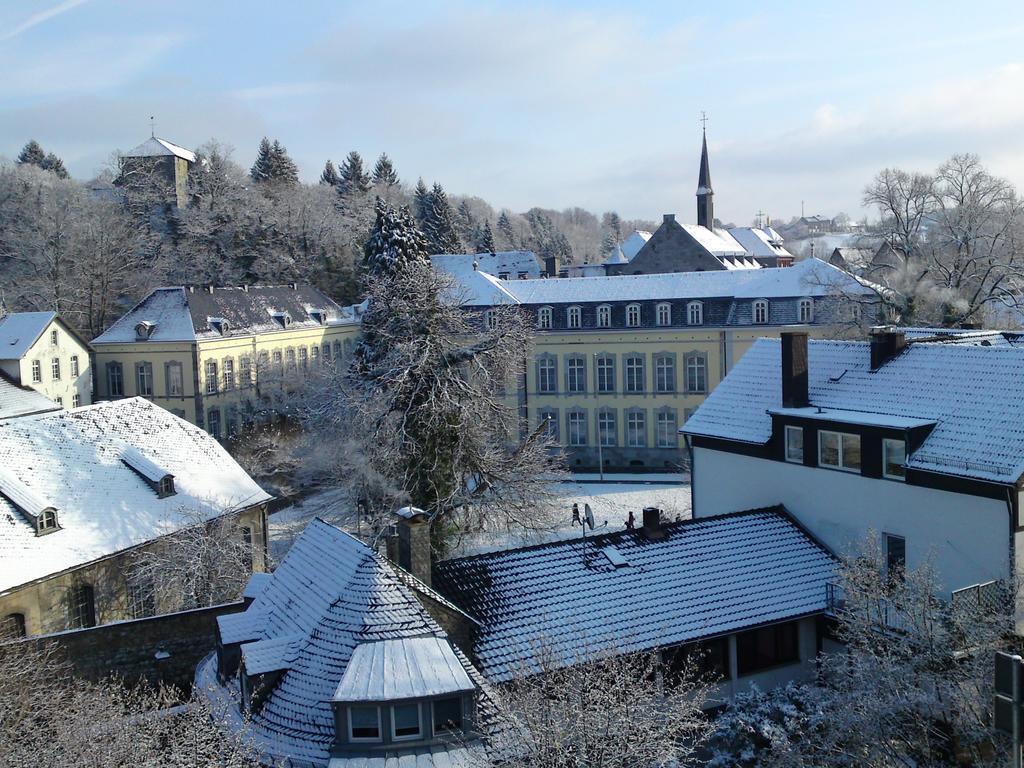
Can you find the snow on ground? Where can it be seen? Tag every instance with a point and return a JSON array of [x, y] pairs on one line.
[[610, 501]]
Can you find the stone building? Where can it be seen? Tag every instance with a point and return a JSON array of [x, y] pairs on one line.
[[41, 351], [160, 161]]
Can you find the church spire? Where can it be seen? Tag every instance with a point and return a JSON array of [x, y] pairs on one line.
[[705, 202]]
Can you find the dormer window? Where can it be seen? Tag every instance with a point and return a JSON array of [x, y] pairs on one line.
[[283, 317], [544, 318], [166, 487], [364, 724], [447, 714], [157, 478], [144, 330], [406, 722], [761, 311], [220, 325], [47, 521]]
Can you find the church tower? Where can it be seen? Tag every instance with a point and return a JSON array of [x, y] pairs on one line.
[[705, 197]]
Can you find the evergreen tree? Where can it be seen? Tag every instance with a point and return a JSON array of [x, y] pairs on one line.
[[505, 227], [466, 224], [283, 168], [485, 243], [351, 176], [421, 202], [329, 175], [32, 154], [439, 226], [384, 172], [53, 163], [394, 241], [260, 170]]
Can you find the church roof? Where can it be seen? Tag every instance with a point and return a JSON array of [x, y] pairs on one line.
[[154, 147], [704, 180]]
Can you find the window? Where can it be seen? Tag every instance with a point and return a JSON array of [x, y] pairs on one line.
[[405, 721], [695, 313], [364, 723], [663, 315], [337, 350], [491, 319], [767, 647], [635, 373], [37, 372], [141, 597], [895, 556], [577, 428], [795, 444], [144, 379], [761, 311], [213, 422], [576, 374], [48, 520], [53, 337], [550, 417], [547, 374], [806, 311], [81, 606], [211, 377], [604, 316], [76, 400], [633, 316], [55, 368], [13, 626], [544, 318], [665, 373], [326, 350], [667, 433], [289, 360], [278, 362], [60, 400], [314, 355], [303, 359], [605, 373], [606, 428], [573, 317], [447, 714], [894, 454], [115, 380], [229, 373], [709, 658], [696, 373], [74, 366], [839, 450], [245, 371], [636, 429]]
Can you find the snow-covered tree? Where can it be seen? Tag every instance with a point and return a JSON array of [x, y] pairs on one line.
[[439, 225], [394, 242], [351, 176], [329, 175], [485, 243], [273, 165], [261, 168], [384, 172], [421, 203], [32, 154]]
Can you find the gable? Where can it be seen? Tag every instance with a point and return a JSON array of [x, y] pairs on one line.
[[670, 249]]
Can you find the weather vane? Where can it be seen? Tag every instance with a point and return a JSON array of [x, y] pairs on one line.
[[152, 127], [703, 119]]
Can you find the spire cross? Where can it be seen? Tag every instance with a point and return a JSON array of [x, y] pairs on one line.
[[703, 120], [152, 127]]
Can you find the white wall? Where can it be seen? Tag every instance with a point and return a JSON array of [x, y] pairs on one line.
[[67, 386], [968, 535]]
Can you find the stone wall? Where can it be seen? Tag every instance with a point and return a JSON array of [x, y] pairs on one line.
[[163, 649]]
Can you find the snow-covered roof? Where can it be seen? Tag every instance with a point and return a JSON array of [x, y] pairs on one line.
[[19, 331], [512, 262], [855, 258], [974, 394], [617, 256], [74, 461], [191, 314], [154, 147], [758, 242], [331, 596], [708, 576], [472, 755], [717, 241], [811, 277], [22, 401], [631, 245], [403, 668]]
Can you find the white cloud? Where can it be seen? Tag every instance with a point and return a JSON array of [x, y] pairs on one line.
[[40, 17]]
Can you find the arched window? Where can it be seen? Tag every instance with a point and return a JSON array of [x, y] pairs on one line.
[[696, 372], [633, 316], [806, 311], [573, 317], [47, 520], [544, 318], [547, 374], [695, 313], [604, 316], [664, 314], [761, 311]]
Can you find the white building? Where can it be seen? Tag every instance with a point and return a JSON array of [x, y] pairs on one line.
[[919, 442], [41, 351]]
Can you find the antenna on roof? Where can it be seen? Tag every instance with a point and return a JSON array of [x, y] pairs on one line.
[[152, 128], [587, 521]]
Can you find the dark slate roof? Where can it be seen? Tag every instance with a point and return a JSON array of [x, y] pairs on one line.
[[704, 179], [707, 577]]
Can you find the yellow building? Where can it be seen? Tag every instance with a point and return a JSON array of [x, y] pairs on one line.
[[82, 491], [219, 357], [41, 351], [619, 363]]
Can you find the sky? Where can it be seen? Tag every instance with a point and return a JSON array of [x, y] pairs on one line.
[[557, 104]]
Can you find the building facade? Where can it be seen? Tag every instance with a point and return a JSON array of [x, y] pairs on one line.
[[41, 351], [221, 357], [82, 491], [161, 163]]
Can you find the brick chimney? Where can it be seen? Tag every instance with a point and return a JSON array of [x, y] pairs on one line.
[[652, 524], [667, 217], [794, 370], [552, 266], [886, 343], [414, 542]]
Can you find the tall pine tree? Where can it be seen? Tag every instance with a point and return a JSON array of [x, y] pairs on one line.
[[506, 229], [485, 243], [439, 226], [55, 165], [32, 154], [351, 176], [394, 241], [329, 176], [421, 202], [260, 170], [384, 172], [273, 165]]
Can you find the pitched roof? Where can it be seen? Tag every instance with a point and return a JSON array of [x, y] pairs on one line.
[[707, 577], [154, 147], [180, 314], [634, 242], [512, 262], [974, 394], [333, 603], [22, 401], [758, 242], [74, 460], [19, 331], [704, 177], [811, 277]]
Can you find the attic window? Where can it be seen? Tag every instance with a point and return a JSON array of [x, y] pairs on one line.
[[284, 318], [144, 330], [320, 315], [47, 522], [220, 325], [166, 487], [151, 473]]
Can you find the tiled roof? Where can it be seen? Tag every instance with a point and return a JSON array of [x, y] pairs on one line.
[[974, 394], [154, 147], [22, 401], [19, 331], [707, 577], [329, 596], [438, 756], [512, 262], [180, 314], [73, 459], [811, 277], [757, 242]]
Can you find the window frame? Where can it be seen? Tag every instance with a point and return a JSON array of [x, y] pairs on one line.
[[228, 368], [74, 367], [459, 728], [697, 363], [115, 373], [634, 316], [549, 418], [789, 430], [576, 418], [759, 313], [37, 372], [746, 667], [663, 314], [544, 318], [604, 316], [902, 477], [805, 316], [144, 379], [576, 374], [695, 313], [419, 722], [630, 367], [606, 416], [172, 366], [890, 571], [664, 361], [604, 373], [574, 317], [76, 400], [364, 739], [211, 370], [547, 374], [55, 368], [53, 338], [490, 319], [636, 428], [671, 434], [841, 466]]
